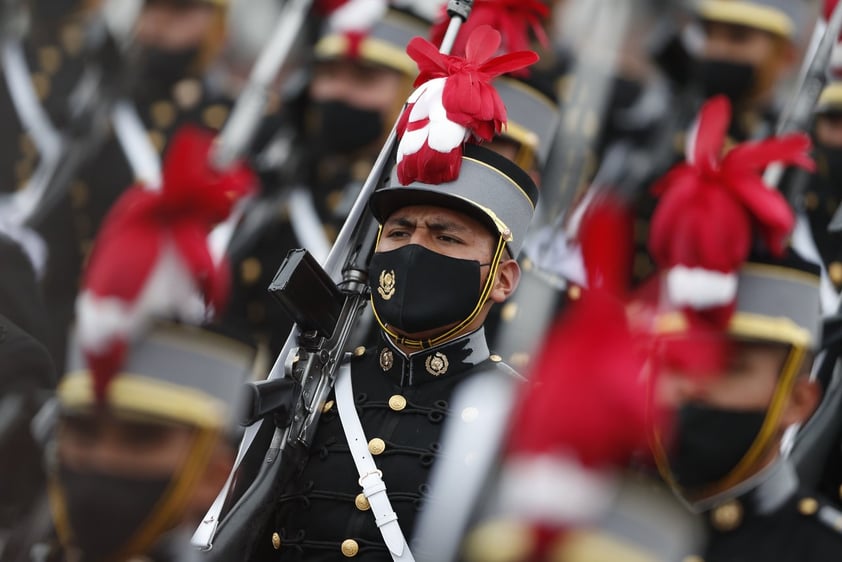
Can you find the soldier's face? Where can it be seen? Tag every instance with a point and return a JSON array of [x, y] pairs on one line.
[[441, 230], [747, 382], [829, 130], [737, 43], [771, 57], [360, 85], [114, 445], [173, 26]]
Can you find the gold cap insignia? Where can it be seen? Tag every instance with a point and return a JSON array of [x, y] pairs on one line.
[[386, 359], [437, 364], [387, 284]]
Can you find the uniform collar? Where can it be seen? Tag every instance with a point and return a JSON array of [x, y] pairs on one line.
[[446, 359], [763, 494]]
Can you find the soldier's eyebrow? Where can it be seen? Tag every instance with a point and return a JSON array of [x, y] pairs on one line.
[[444, 225], [401, 221]]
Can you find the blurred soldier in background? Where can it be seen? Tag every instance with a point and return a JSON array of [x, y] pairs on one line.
[[176, 41], [749, 49], [752, 305], [143, 440], [360, 78], [824, 192]]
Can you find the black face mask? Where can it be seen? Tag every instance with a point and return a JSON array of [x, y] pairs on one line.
[[105, 511], [338, 128], [735, 80], [164, 67], [710, 442], [417, 290]]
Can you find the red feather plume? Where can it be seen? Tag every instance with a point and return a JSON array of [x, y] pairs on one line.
[[454, 102], [152, 252], [584, 411], [712, 206]]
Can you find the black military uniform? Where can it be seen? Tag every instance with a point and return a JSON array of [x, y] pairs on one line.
[[53, 53], [776, 520], [403, 404]]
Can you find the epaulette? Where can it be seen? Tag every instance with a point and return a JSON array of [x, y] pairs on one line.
[[505, 367]]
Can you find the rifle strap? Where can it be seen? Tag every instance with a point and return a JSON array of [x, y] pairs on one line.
[[141, 154], [31, 113], [371, 478]]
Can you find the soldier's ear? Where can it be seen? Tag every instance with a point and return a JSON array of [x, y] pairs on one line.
[[508, 276], [803, 401]]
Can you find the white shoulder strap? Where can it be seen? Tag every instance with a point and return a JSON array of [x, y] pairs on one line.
[[371, 479]]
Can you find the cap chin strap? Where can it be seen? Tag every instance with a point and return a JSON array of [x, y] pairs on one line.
[[166, 513], [483, 298], [759, 447]]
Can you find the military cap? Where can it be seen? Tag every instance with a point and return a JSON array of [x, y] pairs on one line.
[[532, 120], [490, 188], [784, 18], [175, 372], [777, 301], [382, 42], [830, 100]]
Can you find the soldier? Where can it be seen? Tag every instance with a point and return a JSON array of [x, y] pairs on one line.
[[444, 254], [135, 469], [746, 308], [822, 196], [143, 438], [749, 48], [177, 42]]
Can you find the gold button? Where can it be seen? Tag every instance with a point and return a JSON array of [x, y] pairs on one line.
[[328, 405], [376, 446], [397, 402], [496, 358], [157, 139], [276, 541], [163, 114], [508, 312], [362, 502], [811, 201], [360, 351], [728, 516], [215, 116], [41, 83], [808, 506], [49, 58], [835, 272], [187, 93], [250, 271], [350, 548], [574, 292]]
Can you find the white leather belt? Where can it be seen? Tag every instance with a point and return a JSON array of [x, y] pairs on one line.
[[371, 478]]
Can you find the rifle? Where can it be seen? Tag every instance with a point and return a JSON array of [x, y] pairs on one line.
[[284, 409], [815, 440]]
